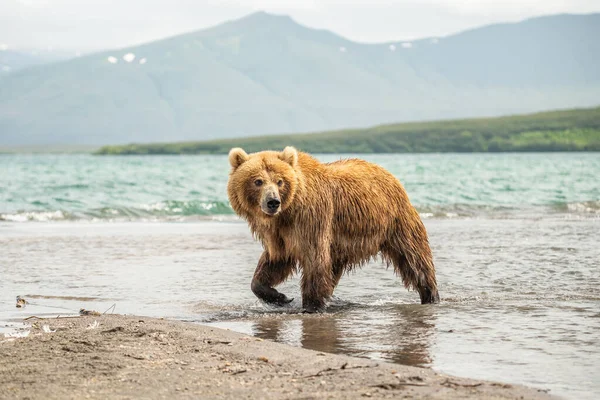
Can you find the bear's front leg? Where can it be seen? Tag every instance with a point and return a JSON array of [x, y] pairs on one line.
[[317, 288], [317, 283], [271, 273]]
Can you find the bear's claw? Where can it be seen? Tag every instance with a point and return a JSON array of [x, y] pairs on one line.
[[428, 296], [283, 300], [312, 310]]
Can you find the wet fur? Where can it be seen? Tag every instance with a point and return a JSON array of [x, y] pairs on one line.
[[334, 217]]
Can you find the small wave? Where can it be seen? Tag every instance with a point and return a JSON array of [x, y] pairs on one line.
[[39, 216], [170, 210], [581, 208], [167, 208], [427, 215], [584, 207], [461, 210], [177, 210]]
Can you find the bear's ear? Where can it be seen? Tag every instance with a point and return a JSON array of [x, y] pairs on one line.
[[289, 155], [237, 157]]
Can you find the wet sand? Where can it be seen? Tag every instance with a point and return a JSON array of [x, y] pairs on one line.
[[124, 357]]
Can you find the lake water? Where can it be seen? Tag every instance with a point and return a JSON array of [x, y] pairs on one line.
[[515, 239]]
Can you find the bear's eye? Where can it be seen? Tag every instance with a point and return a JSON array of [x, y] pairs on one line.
[[258, 182], [280, 183]]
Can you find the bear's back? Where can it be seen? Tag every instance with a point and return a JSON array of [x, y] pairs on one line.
[[366, 198]]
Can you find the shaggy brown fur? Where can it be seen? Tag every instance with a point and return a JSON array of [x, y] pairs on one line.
[[325, 219]]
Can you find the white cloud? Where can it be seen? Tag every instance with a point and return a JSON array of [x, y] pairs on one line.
[[129, 57], [112, 59]]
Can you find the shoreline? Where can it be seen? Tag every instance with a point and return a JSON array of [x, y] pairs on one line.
[[115, 356]]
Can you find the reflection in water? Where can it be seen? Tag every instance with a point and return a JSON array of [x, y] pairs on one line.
[[316, 332], [323, 334], [414, 332], [402, 334]]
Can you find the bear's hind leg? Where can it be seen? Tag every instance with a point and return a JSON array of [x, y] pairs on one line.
[[418, 274], [271, 273]]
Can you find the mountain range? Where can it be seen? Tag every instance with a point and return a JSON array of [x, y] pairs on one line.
[[266, 74], [14, 60]]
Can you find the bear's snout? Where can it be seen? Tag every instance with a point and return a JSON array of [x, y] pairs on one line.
[[271, 203]]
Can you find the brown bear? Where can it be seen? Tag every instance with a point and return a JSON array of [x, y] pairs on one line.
[[325, 219]]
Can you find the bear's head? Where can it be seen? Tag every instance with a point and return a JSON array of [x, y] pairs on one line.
[[264, 183]]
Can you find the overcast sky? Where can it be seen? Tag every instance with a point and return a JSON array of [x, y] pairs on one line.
[[85, 25]]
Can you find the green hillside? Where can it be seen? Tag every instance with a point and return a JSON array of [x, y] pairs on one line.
[[569, 130], [266, 74]]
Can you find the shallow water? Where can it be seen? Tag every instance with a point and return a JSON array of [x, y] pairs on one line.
[[515, 240], [520, 297]]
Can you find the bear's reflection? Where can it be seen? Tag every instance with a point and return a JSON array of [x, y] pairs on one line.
[[401, 334], [319, 333], [413, 333]]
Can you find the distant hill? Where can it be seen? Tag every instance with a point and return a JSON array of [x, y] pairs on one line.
[[266, 74], [11, 60], [566, 130]]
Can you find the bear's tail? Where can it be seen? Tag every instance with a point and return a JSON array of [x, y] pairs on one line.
[[409, 252]]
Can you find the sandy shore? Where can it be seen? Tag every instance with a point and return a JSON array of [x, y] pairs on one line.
[[124, 357]]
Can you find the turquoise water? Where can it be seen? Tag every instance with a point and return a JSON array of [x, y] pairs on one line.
[[66, 187], [514, 238]]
